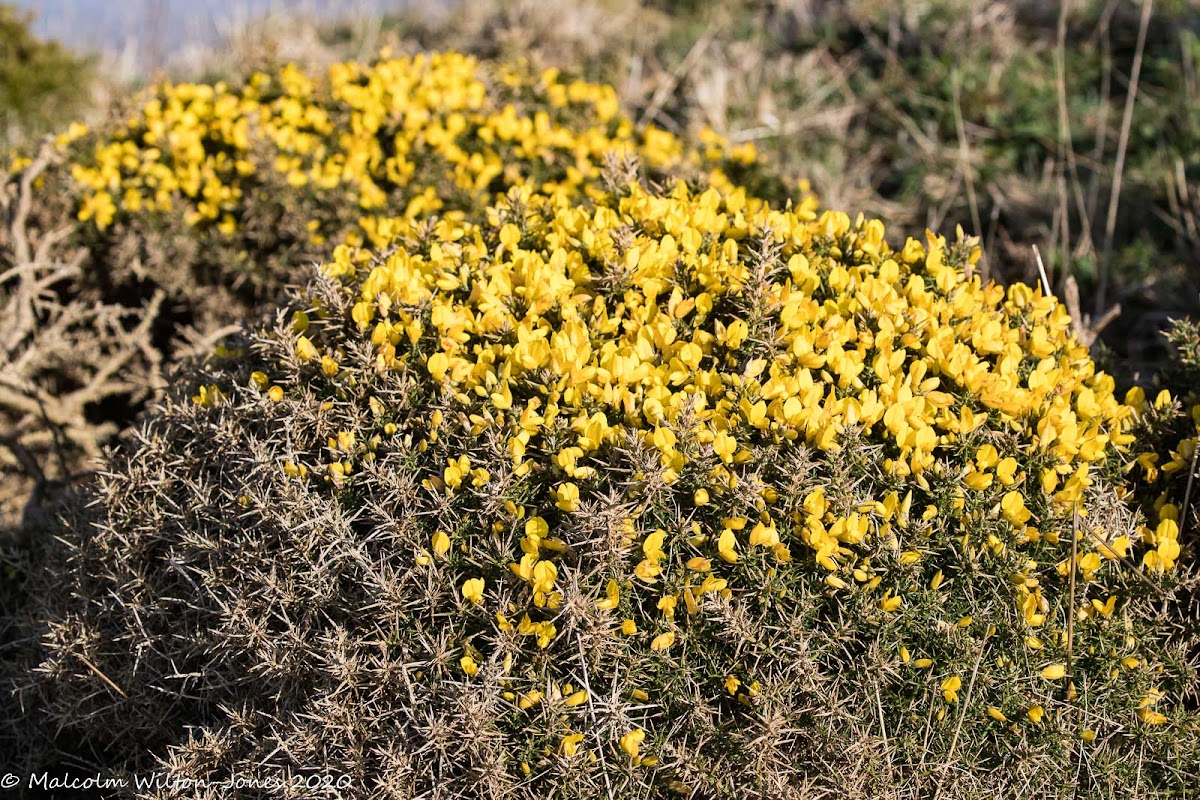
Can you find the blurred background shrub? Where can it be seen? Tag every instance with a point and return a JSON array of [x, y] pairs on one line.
[[42, 84]]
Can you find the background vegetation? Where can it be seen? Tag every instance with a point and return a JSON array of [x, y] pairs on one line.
[[43, 86], [1071, 126]]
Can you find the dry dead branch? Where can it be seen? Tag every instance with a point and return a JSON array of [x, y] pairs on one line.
[[63, 356]]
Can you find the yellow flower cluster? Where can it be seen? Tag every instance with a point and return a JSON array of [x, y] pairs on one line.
[[1157, 470], [404, 136], [614, 420], [709, 329], [917, 360]]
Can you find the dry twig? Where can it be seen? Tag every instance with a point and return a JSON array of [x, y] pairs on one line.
[[62, 354]]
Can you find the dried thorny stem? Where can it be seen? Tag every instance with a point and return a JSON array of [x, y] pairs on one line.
[[61, 354], [1071, 607], [1187, 493], [1086, 330], [1042, 272], [961, 717], [966, 167]]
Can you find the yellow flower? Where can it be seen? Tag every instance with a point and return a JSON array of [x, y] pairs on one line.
[[295, 470], [1151, 717], [1013, 507], [724, 446], [978, 480], [1054, 672], [567, 496], [1006, 471], [456, 470], [570, 744], [950, 688], [612, 595], [208, 396], [727, 546], [305, 350], [631, 742], [472, 590], [663, 641]]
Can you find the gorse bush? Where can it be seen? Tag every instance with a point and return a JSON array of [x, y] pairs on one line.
[[197, 207], [1161, 477], [265, 172], [927, 114], [661, 491]]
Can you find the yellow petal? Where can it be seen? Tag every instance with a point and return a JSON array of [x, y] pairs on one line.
[[632, 741], [1054, 672], [305, 350], [727, 546]]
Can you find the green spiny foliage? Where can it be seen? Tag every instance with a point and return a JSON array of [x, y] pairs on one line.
[[339, 555]]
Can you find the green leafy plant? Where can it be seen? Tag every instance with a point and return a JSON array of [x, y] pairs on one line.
[[42, 85]]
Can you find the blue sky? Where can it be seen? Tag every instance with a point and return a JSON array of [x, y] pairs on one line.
[[143, 29]]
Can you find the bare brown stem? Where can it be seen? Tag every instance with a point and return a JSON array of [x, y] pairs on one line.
[[1114, 200]]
